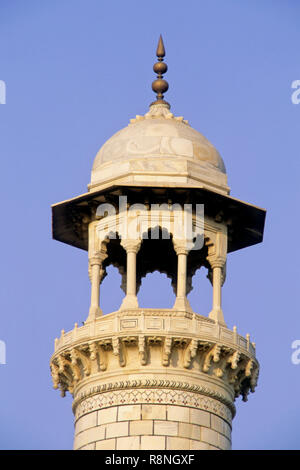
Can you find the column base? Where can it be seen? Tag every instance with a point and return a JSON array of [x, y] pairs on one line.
[[130, 301], [94, 313], [216, 314], [153, 379], [182, 303]]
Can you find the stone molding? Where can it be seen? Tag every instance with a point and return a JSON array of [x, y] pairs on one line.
[[154, 321], [146, 391]]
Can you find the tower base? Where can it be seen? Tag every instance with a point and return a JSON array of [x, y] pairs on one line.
[[154, 379]]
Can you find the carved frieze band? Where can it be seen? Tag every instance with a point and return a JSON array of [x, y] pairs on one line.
[[153, 392], [236, 368]]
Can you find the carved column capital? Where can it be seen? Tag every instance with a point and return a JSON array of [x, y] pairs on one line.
[[98, 257], [217, 252], [102, 272], [216, 261], [97, 260], [223, 273], [180, 246], [131, 245]]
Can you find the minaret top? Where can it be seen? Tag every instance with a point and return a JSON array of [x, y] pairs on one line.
[[160, 86]]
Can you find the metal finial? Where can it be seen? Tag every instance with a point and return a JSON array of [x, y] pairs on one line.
[[160, 86], [160, 51]]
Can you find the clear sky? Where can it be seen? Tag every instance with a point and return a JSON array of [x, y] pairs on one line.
[[75, 72]]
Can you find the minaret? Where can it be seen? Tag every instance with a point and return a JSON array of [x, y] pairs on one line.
[[145, 378]]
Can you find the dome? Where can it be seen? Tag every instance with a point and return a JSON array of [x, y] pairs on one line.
[[159, 149]]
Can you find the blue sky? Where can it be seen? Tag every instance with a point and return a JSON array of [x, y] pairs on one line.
[[75, 73]]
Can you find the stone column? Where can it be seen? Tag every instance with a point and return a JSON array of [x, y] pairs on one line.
[[181, 302], [96, 274], [132, 247], [217, 312], [217, 260]]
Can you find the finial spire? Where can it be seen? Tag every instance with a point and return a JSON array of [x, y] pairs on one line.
[[160, 86]]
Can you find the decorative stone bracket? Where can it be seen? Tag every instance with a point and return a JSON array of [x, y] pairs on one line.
[[238, 369]]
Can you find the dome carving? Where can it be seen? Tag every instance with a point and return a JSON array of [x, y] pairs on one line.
[[164, 146]]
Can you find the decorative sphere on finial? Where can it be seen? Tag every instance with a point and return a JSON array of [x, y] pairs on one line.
[[160, 86]]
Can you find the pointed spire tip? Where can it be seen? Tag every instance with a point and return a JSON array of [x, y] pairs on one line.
[[160, 51], [160, 86]]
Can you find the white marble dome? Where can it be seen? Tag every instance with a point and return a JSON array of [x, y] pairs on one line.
[[159, 149]]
